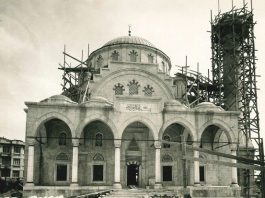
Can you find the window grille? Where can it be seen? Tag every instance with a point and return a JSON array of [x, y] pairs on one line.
[[99, 61], [166, 138], [148, 90], [99, 138], [119, 89], [167, 158], [133, 87], [115, 56], [98, 157], [133, 56], [16, 162], [150, 58], [62, 139]]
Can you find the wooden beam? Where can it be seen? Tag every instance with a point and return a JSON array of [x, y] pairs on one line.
[[242, 159], [223, 163]]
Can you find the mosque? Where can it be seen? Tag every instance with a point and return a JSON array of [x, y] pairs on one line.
[[132, 131]]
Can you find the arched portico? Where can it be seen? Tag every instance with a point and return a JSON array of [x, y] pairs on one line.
[[49, 116], [222, 125], [96, 117], [172, 134], [52, 131], [145, 120], [96, 139], [137, 146], [216, 135], [181, 121]]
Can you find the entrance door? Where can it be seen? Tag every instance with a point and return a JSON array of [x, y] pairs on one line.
[[132, 175]]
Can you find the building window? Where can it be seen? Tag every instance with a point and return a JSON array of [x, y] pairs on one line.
[[119, 89], [163, 66], [61, 172], [115, 56], [148, 90], [62, 139], [133, 87], [99, 61], [150, 58], [166, 138], [17, 149], [97, 172], [99, 139], [202, 174], [15, 173], [16, 162], [133, 56], [167, 173], [6, 149], [6, 161]]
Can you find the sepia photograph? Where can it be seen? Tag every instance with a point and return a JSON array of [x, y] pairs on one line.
[[132, 98]]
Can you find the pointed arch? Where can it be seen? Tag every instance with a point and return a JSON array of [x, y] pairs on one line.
[[142, 119], [181, 121], [49, 116], [96, 117], [222, 125]]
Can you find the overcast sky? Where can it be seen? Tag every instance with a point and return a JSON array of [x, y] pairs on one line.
[[33, 33]]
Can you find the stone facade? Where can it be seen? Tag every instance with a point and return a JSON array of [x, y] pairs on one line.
[[130, 130]]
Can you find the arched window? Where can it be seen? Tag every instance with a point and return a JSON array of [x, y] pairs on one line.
[[115, 56], [98, 157], [167, 158], [118, 89], [99, 61], [166, 138], [62, 139], [150, 58], [99, 138], [133, 56], [163, 66], [148, 90], [133, 87]]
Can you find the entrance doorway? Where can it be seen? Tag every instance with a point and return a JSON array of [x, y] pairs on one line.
[[132, 175]]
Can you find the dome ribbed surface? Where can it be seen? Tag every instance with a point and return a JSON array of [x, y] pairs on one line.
[[129, 40]]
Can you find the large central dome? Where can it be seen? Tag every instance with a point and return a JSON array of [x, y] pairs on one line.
[[129, 40]]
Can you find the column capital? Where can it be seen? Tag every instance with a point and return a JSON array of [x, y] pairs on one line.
[[157, 144], [75, 142], [30, 141], [117, 143], [196, 144], [233, 147]]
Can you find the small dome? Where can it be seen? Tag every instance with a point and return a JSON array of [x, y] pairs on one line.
[[174, 105], [206, 106], [58, 99], [129, 40]]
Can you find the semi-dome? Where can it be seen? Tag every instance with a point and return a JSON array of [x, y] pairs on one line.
[[129, 40], [206, 106], [58, 99]]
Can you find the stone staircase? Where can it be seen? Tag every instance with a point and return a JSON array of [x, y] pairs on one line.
[[139, 193]]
